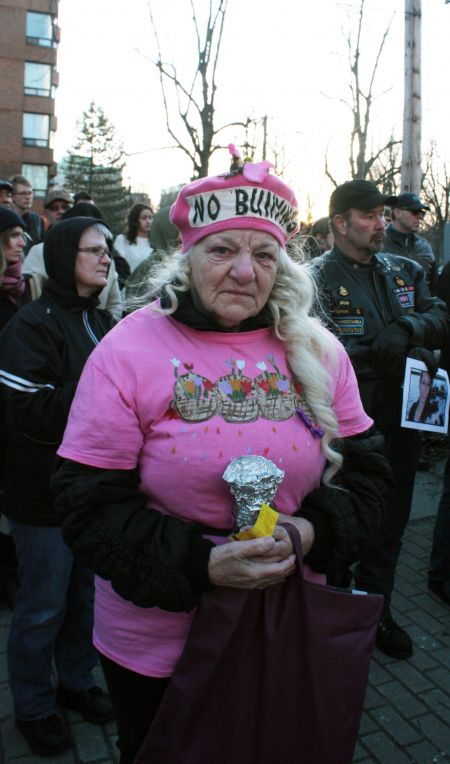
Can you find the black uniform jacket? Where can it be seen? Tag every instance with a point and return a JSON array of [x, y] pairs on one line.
[[159, 560], [360, 300], [416, 248], [43, 349]]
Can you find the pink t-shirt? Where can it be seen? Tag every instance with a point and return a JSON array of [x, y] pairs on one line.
[[181, 404]]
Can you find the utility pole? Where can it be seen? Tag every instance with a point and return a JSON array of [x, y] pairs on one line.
[[264, 151], [411, 176]]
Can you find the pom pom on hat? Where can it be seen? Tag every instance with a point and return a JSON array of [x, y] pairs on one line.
[[246, 197]]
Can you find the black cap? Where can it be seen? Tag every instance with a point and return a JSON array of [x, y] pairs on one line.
[[9, 219], [81, 195], [360, 194], [409, 201], [6, 184]]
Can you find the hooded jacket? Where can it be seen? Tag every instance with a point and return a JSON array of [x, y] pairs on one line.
[[43, 350]]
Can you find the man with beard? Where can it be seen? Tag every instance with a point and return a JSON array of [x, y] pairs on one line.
[[380, 306]]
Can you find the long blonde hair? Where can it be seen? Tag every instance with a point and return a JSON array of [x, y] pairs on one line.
[[309, 347]]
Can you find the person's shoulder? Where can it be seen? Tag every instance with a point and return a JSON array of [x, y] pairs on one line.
[[28, 320], [325, 257], [144, 325], [120, 243], [400, 261], [423, 247]]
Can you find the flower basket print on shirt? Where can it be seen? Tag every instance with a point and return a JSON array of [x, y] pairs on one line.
[[195, 396], [236, 394], [274, 391]]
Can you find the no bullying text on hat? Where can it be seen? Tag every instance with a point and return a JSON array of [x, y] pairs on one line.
[[359, 194], [246, 197]]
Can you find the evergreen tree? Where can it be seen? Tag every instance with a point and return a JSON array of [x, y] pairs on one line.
[[96, 164]]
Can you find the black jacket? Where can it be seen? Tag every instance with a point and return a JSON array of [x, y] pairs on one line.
[[443, 291], [33, 289], [43, 349], [416, 248], [158, 560], [360, 300], [35, 229]]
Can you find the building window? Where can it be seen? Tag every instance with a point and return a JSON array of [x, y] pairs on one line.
[[37, 174], [39, 29], [36, 129], [38, 79]]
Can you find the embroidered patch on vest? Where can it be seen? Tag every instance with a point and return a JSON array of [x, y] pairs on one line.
[[405, 296], [349, 324]]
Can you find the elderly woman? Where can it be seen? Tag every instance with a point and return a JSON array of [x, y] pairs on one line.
[[42, 352], [228, 362]]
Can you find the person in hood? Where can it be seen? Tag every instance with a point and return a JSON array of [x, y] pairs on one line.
[[109, 297], [43, 350]]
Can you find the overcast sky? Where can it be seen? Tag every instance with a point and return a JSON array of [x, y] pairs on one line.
[[281, 58]]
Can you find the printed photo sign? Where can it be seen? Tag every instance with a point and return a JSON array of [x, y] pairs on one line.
[[425, 398]]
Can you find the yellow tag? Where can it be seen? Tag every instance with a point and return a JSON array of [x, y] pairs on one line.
[[264, 526]]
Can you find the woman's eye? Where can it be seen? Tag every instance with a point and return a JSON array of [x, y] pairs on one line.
[[221, 250], [263, 256]]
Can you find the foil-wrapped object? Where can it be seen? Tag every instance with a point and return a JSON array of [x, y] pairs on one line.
[[253, 480]]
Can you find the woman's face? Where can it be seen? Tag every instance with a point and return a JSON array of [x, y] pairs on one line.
[[233, 273], [145, 222], [13, 247], [424, 385], [92, 263]]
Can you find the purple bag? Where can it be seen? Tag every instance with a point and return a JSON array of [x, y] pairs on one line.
[[273, 675]]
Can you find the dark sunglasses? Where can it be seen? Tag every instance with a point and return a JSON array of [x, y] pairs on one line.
[[416, 213]]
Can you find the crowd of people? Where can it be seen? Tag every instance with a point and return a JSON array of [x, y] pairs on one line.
[[118, 422]]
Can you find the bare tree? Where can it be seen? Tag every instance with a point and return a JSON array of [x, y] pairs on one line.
[[365, 162], [436, 192], [196, 134]]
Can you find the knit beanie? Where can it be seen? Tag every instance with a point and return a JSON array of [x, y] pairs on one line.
[[246, 197]]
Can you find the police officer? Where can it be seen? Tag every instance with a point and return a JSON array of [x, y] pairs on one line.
[[402, 237], [380, 306]]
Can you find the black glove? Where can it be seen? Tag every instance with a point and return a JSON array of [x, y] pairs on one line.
[[389, 350], [427, 357]]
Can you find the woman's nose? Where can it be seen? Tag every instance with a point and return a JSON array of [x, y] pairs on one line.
[[243, 267]]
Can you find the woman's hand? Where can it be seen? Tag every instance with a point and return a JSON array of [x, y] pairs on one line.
[[304, 527], [253, 564]]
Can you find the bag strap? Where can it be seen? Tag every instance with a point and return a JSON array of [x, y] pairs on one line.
[[296, 540]]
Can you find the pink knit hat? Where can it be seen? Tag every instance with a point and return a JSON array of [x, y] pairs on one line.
[[246, 197]]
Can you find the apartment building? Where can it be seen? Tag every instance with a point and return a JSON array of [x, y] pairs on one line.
[[29, 38]]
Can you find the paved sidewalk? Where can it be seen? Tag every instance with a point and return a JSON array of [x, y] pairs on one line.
[[407, 710]]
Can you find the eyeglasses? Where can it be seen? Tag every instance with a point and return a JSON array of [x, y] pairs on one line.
[[416, 213], [63, 207], [95, 251]]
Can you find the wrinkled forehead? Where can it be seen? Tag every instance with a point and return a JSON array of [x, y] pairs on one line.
[[237, 237]]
